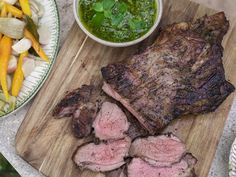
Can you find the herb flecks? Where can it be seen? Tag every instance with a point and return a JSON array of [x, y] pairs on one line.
[[118, 20]]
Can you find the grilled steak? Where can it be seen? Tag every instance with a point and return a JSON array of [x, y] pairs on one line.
[[85, 104], [161, 151], [135, 128], [72, 101], [103, 157], [110, 123], [82, 120], [184, 168], [181, 73], [82, 105]]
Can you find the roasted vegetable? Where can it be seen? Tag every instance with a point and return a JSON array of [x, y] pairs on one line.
[[14, 11], [37, 8], [9, 82], [44, 34], [2, 104], [10, 1], [25, 7], [3, 14], [12, 27], [28, 66], [32, 27], [38, 49], [18, 76], [35, 17], [4, 10], [12, 64], [5, 53], [22, 46], [19, 36]]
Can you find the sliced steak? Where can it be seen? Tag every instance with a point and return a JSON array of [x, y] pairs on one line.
[[184, 168], [82, 121], [160, 151], [84, 105], [181, 73], [103, 157], [110, 123], [135, 128], [72, 100], [120, 172]]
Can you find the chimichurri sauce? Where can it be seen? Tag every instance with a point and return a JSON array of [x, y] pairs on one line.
[[118, 20]]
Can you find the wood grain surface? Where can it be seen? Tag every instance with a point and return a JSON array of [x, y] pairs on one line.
[[48, 144]]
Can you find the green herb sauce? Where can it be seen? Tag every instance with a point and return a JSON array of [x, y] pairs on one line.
[[118, 20]]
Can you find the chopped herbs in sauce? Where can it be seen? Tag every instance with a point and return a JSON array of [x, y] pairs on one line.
[[118, 20]]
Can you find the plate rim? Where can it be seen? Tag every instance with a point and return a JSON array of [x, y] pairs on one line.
[[230, 155], [47, 74]]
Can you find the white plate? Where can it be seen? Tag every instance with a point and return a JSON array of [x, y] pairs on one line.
[[232, 160], [34, 82]]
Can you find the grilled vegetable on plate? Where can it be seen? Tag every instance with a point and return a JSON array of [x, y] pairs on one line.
[[28, 49]]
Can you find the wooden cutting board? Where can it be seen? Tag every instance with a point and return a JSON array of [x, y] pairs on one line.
[[48, 145]]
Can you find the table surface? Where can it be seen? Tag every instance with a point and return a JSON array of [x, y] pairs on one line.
[[10, 125]]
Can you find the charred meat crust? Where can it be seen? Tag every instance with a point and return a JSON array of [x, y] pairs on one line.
[[135, 129], [181, 73], [68, 105], [82, 125], [212, 28], [82, 105]]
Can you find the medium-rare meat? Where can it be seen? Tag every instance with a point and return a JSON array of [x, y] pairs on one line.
[[82, 105], [82, 121], [103, 157], [184, 168], [181, 73], [120, 172], [160, 151], [110, 123]]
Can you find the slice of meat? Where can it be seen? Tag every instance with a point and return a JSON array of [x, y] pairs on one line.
[[135, 128], [111, 92], [110, 123], [120, 172], [82, 121], [181, 73], [84, 103], [103, 157], [184, 168], [160, 151], [70, 102]]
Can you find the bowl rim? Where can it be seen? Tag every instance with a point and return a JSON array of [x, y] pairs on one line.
[[118, 44]]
